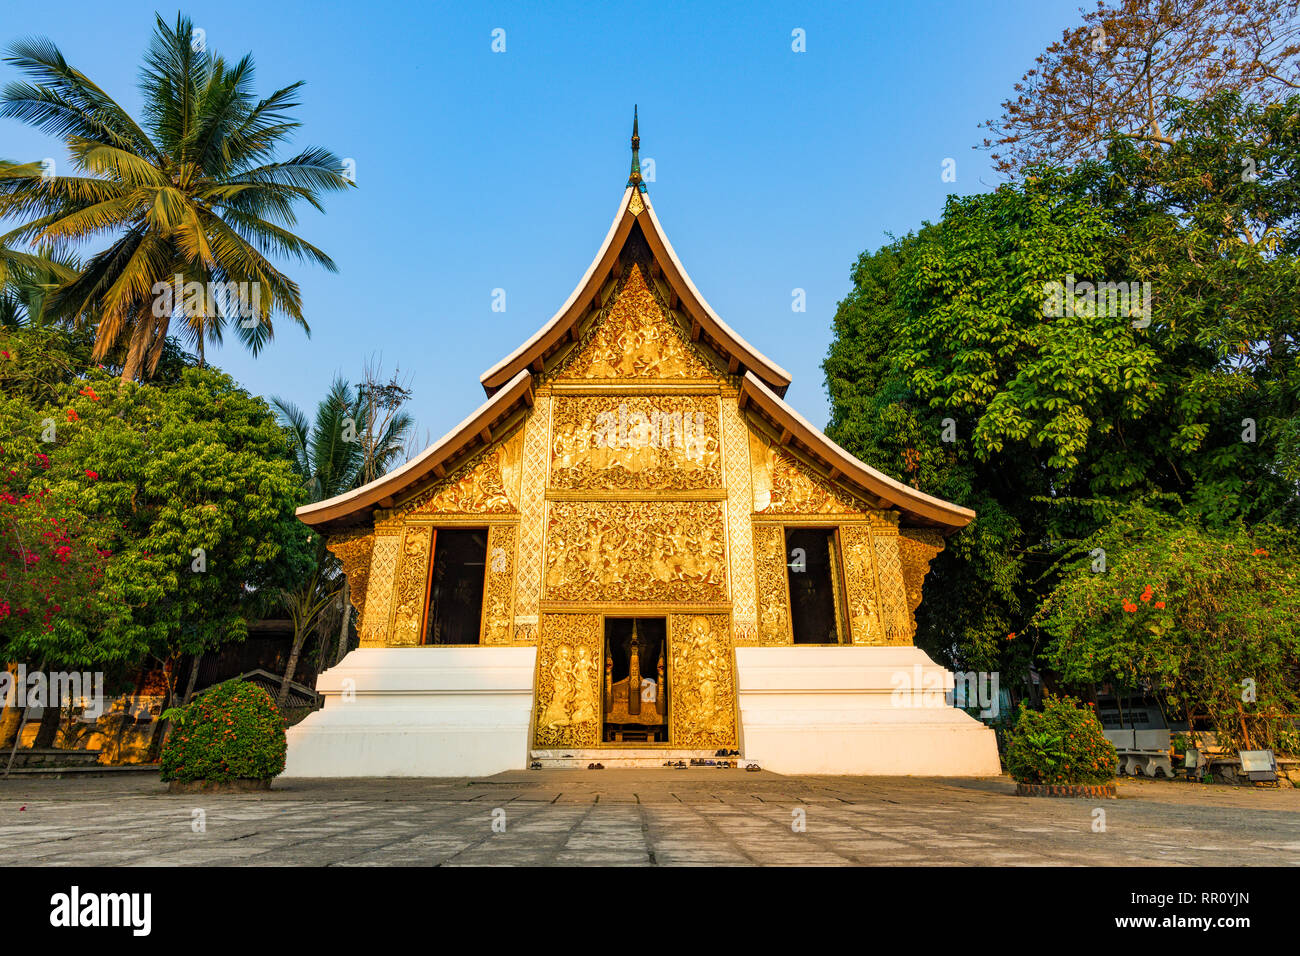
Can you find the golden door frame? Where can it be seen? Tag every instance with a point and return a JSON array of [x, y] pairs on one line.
[[699, 718]]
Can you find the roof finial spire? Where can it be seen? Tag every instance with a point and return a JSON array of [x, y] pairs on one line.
[[635, 178]]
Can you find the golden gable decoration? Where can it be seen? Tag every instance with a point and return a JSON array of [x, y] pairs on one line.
[[635, 339], [784, 485], [487, 484]]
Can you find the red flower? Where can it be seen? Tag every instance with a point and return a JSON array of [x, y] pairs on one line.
[[1261, 552], [1130, 608], [72, 415], [5, 354], [1160, 604], [89, 393], [43, 460], [92, 475]]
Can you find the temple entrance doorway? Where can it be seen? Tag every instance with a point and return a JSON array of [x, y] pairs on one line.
[[635, 690]]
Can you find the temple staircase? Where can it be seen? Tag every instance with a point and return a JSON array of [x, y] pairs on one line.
[[630, 758]]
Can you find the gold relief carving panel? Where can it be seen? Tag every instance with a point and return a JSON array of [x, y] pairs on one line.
[[917, 547], [354, 549], [894, 615], [636, 443], [740, 530], [568, 681], [498, 588], [487, 484], [633, 337], [373, 629], [410, 587], [532, 520], [664, 551], [866, 623], [784, 485], [772, 585], [703, 688]]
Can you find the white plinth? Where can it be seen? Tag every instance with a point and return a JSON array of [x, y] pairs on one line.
[[418, 712], [852, 710]]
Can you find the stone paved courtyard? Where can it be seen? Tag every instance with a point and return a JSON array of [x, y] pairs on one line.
[[639, 817]]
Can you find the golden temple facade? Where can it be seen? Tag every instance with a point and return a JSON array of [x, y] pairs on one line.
[[642, 501]]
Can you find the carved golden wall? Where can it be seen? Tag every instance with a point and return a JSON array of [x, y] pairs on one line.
[[636, 551], [636, 443], [701, 681], [569, 671], [637, 484], [410, 586], [499, 585]]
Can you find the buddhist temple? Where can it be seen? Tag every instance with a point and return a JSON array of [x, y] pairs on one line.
[[634, 551]]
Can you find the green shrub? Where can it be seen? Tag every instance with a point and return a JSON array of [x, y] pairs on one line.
[[1062, 744], [230, 731]]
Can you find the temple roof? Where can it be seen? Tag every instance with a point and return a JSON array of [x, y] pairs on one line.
[[509, 385], [551, 341]]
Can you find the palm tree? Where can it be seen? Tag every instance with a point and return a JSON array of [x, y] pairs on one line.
[[358, 435], [192, 191], [26, 282]]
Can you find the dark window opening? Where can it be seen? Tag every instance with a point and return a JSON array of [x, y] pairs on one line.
[[456, 587], [812, 567]]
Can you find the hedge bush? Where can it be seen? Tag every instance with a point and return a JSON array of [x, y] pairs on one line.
[[230, 731], [1062, 744]]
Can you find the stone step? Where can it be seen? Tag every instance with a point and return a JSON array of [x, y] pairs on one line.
[[639, 758]]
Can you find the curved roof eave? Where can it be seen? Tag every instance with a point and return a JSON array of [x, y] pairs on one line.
[[929, 509], [369, 496], [750, 357], [573, 309], [573, 306]]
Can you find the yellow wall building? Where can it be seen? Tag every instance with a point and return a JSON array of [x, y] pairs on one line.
[[635, 549]]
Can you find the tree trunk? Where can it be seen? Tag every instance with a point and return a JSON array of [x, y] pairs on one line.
[[347, 620], [18, 736], [194, 677], [299, 638], [48, 731]]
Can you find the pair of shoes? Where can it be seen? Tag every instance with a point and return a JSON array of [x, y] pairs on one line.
[[595, 766], [753, 767], [679, 765], [721, 753], [535, 765]]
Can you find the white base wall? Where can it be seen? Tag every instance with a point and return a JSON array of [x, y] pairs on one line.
[[419, 712], [852, 710]]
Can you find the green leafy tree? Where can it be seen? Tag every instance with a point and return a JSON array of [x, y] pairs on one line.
[[358, 434], [187, 482], [1061, 417], [193, 190], [1209, 620]]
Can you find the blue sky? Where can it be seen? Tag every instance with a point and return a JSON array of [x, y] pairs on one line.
[[479, 170]]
